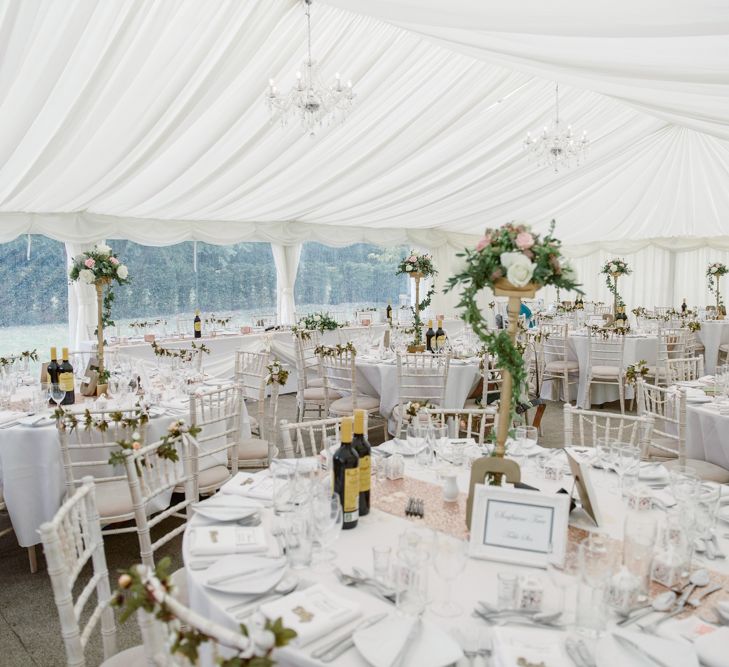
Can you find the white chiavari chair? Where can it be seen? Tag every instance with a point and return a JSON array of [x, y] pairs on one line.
[[310, 384], [475, 423], [686, 369], [556, 358], [606, 364], [85, 450], [671, 345], [667, 407], [250, 375], [420, 377], [70, 541], [340, 379], [218, 413], [307, 438], [490, 382], [583, 428]]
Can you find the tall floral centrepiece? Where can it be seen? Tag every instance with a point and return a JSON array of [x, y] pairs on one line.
[[713, 273], [418, 267], [513, 261], [612, 270], [100, 267]]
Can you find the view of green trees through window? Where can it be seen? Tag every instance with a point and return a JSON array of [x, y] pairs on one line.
[[235, 279]]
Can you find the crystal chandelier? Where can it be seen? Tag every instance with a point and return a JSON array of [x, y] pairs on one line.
[[309, 99], [555, 146]]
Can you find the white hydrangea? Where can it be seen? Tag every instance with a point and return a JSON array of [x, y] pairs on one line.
[[103, 249]]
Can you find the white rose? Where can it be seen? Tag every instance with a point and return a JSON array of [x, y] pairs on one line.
[[509, 258], [86, 276], [519, 269], [714, 269], [613, 267], [409, 267], [103, 249], [122, 271]]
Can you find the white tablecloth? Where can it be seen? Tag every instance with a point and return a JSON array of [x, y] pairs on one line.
[[707, 435], [712, 334], [636, 348], [354, 549]]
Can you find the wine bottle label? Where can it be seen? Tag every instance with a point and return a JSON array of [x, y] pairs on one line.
[[440, 341], [65, 381], [364, 473], [198, 326], [350, 502]]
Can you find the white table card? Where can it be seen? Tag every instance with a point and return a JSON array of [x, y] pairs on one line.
[[518, 526]]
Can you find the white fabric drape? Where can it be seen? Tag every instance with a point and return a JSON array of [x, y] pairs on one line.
[[82, 316], [286, 258]]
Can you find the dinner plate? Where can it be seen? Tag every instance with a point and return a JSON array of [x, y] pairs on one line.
[[37, 420], [245, 575], [227, 508], [699, 399], [402, 447]]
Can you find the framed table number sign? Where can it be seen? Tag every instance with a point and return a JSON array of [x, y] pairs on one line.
[[518, 526]]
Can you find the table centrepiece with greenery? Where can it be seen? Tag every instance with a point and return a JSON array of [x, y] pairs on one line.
[[513, 261], [612, 270], [713, 273], [100, 267], [322, 321], [418, 267]]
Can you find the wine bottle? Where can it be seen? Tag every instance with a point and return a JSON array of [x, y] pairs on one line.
[[429, 335], [197, 324], [440, 337], [389, 311], [52, 369], [65, 379], [345, 468], [684, 307], [362, 446]]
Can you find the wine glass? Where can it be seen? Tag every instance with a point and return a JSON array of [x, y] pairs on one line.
[[450, 559], [327, 521], [56, 394], [625, 458], [563, 574]]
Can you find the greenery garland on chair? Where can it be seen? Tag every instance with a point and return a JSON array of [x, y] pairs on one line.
[[335, 350], [522, 257], [182, 353], [30, 355], [141, 589], [277, 374]]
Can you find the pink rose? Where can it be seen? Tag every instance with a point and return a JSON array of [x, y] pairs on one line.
[[89, 263], [483, 242], [114, 261], [412, 258], [524, 240]]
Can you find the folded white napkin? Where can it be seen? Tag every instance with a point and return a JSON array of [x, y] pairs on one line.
[[513, 646], [251, 485], [249, 575], [404, 447], [381, 643], [652, 471], [313, 612], [671, 652], [713, 648], [223, 539]]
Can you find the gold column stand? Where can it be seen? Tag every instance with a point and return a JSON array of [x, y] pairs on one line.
[[417, 277]]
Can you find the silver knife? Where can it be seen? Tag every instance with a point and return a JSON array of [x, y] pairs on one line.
[[344, 642], [639, 649], [573, 653]]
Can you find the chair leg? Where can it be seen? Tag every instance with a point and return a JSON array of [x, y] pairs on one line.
[[621, 394], [32, 560]]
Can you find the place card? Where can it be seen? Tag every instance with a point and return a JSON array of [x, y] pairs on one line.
[[518, 526]]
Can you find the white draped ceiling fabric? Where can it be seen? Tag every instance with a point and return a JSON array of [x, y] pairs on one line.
[[145, 120]]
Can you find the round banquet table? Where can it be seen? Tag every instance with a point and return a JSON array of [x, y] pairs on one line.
[[379, 378], [712, 334], [354, 549], [637, 347], [707, 434]]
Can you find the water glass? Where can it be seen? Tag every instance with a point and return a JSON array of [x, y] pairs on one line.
[[639, 540], [706, 508], [282, 475], [298, 536], [327, 518], [410, 579], [507, 590], [381, 563], [596, 566]]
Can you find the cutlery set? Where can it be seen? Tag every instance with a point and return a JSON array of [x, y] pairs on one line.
[[415, 508]]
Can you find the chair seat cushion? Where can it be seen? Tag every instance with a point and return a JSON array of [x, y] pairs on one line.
[[561, 366], [724, 347], [131, 657], [656, 371], [344, 406], [709, 472], [667, 449], [250, 449], [213, 478], [113, 499], [605, 371], [317, 394], [314, 382]]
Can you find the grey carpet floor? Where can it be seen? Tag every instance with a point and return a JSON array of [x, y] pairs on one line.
[[29, 627]]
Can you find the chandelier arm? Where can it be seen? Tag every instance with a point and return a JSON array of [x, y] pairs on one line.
[[556, 101]]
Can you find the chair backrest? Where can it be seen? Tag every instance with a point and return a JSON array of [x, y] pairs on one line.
[[308, 438], [671, 344], [694, 345], [466, 422], [554, 342], [607, 351], [686, 369], [218, 413], [491, 378], [307, 363], [422, 377], [584, 427], [250, 374], [87, 439], [338, 372], [667, 408], [154, 471], [70, 540]]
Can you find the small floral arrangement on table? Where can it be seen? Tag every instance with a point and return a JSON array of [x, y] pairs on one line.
[[523, 257], [142, 588], [182, 354], [319, 321], [713, 272], [635, 371], [277, 374], [335, 350], [166, 450], [612, 269], [219, 321], [418, 265], [30, 355]]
